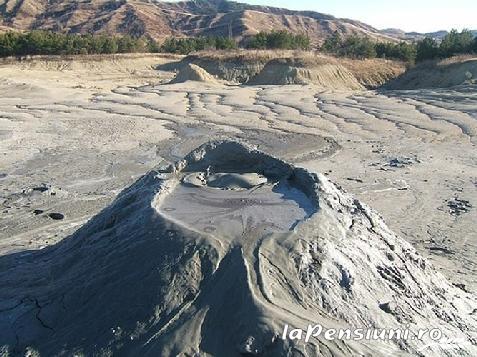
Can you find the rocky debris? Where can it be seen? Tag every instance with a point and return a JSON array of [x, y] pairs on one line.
[[44, 189], [439, 249], [38, 212], [401, 162], [358, 180], [458, 206], [56, 216], [40, 189], [462, 287], [388, 307]]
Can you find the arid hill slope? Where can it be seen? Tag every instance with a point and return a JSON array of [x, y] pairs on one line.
[[158, 19]]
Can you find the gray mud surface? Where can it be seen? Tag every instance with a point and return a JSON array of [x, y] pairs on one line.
[[76, 143]]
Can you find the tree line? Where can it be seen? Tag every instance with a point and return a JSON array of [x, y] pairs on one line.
[[52, 43], [187, 45], [279, 40], [452, 44], [262, 40]]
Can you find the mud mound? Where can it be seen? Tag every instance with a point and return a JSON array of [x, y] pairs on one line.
[[330, 76], [439, 74], [192, 72], [214, 255]]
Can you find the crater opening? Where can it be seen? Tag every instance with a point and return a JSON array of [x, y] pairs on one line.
[[234, 192]]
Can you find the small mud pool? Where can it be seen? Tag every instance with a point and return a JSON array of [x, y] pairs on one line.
[[234, 204]]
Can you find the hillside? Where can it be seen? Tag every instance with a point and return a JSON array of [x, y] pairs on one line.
[[158, 19], [437, 35]]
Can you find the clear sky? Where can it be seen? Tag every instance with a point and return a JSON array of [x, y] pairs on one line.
[[408, 15]]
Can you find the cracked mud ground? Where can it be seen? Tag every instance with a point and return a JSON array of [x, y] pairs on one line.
[[86, 137]]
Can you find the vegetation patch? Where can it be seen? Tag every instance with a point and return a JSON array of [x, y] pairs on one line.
[[454, 43]]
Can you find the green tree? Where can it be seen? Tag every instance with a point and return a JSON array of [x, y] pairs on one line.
[[8, 42], [110, 45], [358, 47], [224, 43], [51, 43], [279, 40], [427, 49], [333, 43], [456, 43], [406, 52], [259, 41]]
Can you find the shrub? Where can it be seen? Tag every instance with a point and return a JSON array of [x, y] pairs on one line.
[[279, 40], [357, 47], [456, 43], [402, 51], [187, 45], [363, 47], [427, 49], [352, 46], [333, 43]]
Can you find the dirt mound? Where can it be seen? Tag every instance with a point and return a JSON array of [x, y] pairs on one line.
[[214, 255], [438, 74], [326, 75], [192, 72]]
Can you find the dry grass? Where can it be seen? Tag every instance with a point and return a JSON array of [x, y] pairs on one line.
[[457, 59], [262, 55], [373, 72], [308, 57], [442, 63]]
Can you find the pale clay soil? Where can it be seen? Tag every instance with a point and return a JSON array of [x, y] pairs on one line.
[[73, 136]]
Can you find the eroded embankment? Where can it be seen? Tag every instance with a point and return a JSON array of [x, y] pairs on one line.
[[438, 74], [294, 67]]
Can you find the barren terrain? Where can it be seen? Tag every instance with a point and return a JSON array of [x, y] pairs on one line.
[[73, 134], [161, 19]]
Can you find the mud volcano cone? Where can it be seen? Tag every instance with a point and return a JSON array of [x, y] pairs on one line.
[[213, 256]]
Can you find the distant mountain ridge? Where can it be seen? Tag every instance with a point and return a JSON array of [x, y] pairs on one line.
[[162, 19], [437, 35], [159, 19]]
